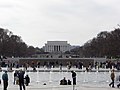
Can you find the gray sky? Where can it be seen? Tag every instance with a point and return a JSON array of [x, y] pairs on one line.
[[75, 21]]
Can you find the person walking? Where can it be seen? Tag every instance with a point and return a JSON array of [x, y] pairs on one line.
[[15, 76], [74, 79], [21, 79], [118, 85], [112, 78], [5, 80]]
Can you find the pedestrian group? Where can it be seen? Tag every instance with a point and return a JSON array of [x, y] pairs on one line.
[[19, 79]]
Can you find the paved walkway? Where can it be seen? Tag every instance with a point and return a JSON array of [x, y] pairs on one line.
[[35, 86], [61, 87]]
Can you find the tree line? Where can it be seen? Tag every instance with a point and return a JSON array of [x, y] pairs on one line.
[[106, 44], [13, 45]]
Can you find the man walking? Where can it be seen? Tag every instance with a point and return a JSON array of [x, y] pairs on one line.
[[5, 80], [112, 78], [21, 79], [74, 79]]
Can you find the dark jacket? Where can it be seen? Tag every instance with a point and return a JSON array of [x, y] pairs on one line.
[[21, 77], [5, 77], [73, 75], [27, 79]]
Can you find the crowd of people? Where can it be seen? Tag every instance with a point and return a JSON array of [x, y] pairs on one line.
[[23, 81], [19, 79], [79, 65]]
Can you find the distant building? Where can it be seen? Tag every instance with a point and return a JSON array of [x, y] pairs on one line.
[[57, 46]]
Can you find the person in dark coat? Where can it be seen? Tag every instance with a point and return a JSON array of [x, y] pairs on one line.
[[21, 79], [112, 78], [63, 82], [27, 79], [5, 80], [74, 77], [118, 85], [69, 82]]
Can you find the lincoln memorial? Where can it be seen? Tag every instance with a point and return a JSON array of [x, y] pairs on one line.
[[57, 46]]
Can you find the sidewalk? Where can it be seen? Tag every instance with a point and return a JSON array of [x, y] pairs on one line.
[[61, 87]]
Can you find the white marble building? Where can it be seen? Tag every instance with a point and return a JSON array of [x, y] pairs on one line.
[[57, 46]]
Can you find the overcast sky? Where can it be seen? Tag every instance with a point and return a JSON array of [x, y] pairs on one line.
[[75, 21]]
